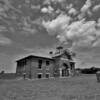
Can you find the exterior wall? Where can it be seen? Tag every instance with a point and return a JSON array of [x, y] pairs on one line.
[[20, 68], [59, 66], [44, 68], [72, 67], [31, 68]]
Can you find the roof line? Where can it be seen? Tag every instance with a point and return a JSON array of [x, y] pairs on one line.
[[27, 57]]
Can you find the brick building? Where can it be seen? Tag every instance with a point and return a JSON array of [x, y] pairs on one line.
[[59, 64]]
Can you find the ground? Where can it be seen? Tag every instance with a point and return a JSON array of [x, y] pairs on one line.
[[83, 87]]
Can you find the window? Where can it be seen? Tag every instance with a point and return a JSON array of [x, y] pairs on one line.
[[40, 64], [47, 75], [47, 63], [39, 76]]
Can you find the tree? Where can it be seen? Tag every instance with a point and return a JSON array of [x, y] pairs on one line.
[[2, 72]]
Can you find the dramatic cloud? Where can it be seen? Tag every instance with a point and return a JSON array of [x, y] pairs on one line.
[[57, 25], [76, 33]]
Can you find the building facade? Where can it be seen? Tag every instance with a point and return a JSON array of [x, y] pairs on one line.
[[60, 64]]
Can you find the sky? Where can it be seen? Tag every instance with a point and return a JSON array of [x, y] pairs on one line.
[[38, 26]]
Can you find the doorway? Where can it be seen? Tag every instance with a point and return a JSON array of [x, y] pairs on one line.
[[65, 71]]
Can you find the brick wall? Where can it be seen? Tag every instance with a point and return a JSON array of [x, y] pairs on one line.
[[31, 68]]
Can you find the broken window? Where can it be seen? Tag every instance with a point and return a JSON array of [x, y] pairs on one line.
[[47, 63], [39, 76], [40, 64]]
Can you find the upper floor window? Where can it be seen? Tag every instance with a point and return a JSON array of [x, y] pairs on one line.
[[47, 63], [40, 64]]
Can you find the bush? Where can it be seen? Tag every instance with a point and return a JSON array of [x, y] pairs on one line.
[[91, 70]]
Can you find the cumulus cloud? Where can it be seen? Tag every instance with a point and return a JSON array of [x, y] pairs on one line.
[[86, 6], [85, 10], [78, 33], [95, 8], [72, 11], [57, 25], [48, 9]]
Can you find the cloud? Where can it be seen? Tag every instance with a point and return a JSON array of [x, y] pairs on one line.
[[2, 28], [69, 6], [60, 1], [85, 10], [86, 6], [27, 30], [29, 26], [5, 40], [27, 1], [98, 23], [57, 25], [35, 7], [48, 9], [80, 33], [7, 5], [72, 11], [95, 8]]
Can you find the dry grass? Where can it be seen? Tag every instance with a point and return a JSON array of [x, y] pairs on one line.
[[76, 88]]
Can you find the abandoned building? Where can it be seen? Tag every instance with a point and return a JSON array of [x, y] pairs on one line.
[[58, 64]]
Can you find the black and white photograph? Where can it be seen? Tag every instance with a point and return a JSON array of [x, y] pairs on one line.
[[49, 49]]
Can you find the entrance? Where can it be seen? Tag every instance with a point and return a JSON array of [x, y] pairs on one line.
[[65, 71]]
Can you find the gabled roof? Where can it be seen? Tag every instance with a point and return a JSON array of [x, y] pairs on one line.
[[35, 56], [48, 56]]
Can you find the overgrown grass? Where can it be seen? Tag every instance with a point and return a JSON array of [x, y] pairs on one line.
[[75, 88]]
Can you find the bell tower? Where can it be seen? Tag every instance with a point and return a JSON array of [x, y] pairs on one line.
[[59, 49]]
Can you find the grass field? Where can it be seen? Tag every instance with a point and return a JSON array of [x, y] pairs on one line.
[[75, 88]]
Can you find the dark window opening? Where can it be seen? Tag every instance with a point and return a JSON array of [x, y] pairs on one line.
[[72, 65], [39, 76], [65, 65], [47, 75], [40, 64], [47, 63]]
